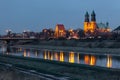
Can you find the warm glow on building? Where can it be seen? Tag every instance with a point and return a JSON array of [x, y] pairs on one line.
[[90, 26], [59, 31], [71, 57], [109, 61], [61, 56]]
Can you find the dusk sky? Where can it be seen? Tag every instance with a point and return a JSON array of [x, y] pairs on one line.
[[34, 15]]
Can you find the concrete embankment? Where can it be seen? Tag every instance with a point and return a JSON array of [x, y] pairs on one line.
[[62, 70]]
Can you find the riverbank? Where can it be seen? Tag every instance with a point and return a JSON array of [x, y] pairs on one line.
[[67, 71], [104, 51], [7, 72]]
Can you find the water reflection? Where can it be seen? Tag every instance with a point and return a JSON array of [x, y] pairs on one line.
[[24, 53], [45, 55], [90, 59], [36, 53], [109, 61], [56, 56], [78, 58], [61, 56], [71, 57]]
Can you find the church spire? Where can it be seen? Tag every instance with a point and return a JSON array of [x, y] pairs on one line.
[[86, 17], [93, 16]]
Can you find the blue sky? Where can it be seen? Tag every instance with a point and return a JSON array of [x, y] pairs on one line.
[[34, 15]]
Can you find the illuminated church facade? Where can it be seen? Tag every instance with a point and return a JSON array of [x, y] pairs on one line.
[[92, 26], [60, 31]]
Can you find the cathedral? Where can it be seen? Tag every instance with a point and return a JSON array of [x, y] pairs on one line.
[[90, 26]]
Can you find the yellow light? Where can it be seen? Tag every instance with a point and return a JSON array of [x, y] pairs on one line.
[[92, 60], [45, 55], [61, 56], [71, 57], [109, 61]]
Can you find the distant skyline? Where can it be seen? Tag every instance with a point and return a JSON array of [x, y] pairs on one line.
[[35, 15]]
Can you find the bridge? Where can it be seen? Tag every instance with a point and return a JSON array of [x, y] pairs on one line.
[[8, 40]]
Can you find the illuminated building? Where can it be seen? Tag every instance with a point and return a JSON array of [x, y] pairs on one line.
[[73, 34], [103, 27], [59, 31], [90, 26], [117, 30]]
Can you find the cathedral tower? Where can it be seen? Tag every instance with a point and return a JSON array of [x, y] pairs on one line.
[[93, 22], [90, 26], [86, 22]]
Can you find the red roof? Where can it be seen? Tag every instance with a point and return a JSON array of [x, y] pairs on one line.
[[61, 27]]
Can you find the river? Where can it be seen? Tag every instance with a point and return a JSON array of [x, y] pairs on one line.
[[109, 61]]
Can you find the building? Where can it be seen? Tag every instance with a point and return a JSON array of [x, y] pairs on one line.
[[102, 27], [90, 26], [117, 30], [92, 29], [59, 31]]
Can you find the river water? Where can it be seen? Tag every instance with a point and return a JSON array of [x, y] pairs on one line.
[[87, 58]]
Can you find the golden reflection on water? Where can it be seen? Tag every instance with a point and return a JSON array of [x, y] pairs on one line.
[[109, 61], [51, 56], [71, 57], [90, 60], [86, 59], [61, 56], [56, 56], [24, 53], [48, 55], [45, 54]]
